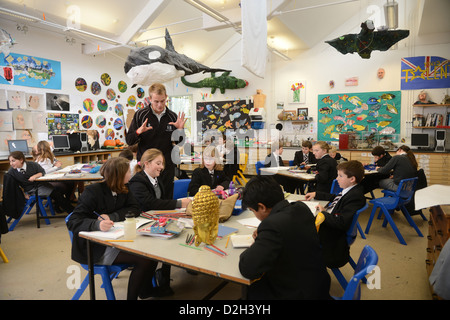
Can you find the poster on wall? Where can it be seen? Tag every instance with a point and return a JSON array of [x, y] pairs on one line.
[[426, 72], [357, 112], [24, 70], [223, 115], [60, 123], [57, 102], [297, 91]]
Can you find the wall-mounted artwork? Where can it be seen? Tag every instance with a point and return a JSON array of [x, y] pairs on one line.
[[424, 72], [4, 137], [22, 120], [35, 102], [80, 84], [16, 99], [57, 102], [3, 100], [39, 121], [30, 71], [357, 112], [297, 91], [6, 121], [60, 123], [223, 115]]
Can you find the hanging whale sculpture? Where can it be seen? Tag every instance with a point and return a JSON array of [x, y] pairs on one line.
[[150, 64]]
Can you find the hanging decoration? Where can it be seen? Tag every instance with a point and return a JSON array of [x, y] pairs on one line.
[[223, 82], [368, 40]]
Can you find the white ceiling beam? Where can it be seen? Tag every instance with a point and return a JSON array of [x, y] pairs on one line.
[[149, 12]]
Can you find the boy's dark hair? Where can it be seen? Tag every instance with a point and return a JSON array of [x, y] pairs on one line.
[[378, 151], [307, 144], [352, 168], [127, 154], [262, 189]]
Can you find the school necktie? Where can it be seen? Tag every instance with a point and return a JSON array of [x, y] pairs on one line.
[[305, 158], [22, 171], [331, 205]]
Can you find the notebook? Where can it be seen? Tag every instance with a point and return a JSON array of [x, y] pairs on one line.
[[241, 241], [18, 145]]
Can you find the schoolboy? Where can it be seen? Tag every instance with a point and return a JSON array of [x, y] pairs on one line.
[[305, 156], [285, 260], [381, 158], [339, 212]]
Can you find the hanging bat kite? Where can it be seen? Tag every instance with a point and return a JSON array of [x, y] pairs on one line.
[[368, 40], [151, 64]]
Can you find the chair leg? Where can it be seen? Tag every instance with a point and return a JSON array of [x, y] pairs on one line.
[[26, 210], [360, 230], [410, 220], [388, 217], [3, 255], [107, 285], [49, 204], [340, 277], [43, 211], [372, 214], [82, 288]]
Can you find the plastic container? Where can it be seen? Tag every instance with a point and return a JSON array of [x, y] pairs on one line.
[[129, 227]]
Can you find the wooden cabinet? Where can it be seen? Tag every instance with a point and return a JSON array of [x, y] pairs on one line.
[[438, 234]]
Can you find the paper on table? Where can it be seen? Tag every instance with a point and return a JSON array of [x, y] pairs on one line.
[[52, 176], [250, 222], [433, 195], [242, 241], [115, 232]]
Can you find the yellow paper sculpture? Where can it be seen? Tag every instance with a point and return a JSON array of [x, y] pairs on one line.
[[205, 214]]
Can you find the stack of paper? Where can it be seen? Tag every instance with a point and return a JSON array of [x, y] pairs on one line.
[[242, 241]]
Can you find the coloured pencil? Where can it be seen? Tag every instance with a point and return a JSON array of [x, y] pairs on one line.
[[188, 246], [213, 251]]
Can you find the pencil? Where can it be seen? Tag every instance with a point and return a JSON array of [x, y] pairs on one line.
[[188, 246], [228, 240], [219, 249], [119, 240], [213, 251]]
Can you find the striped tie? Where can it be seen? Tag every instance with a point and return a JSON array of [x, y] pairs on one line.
[[331, 205]]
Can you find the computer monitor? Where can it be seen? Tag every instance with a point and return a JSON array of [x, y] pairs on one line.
[[18, 145], [61, 142], [420, 140]]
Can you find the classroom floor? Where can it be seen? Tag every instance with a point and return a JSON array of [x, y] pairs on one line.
[[39, 260]]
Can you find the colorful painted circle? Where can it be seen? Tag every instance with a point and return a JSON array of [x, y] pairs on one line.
[[88, 105], [122, 86], [102, 105], [110, 94], [100, 121], [119, 109], [86, 122], [132, 100], [140, 93], [106, 79], [109, 135], [80, 84], [140, 105], [118, 124], [96, 88]]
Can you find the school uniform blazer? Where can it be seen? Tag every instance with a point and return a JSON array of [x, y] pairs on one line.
[[270, 161], [97, 197], [326, 173], [201, 177], [298, 158], [22, 179], [144, 193], [286, 256], [333, 231]]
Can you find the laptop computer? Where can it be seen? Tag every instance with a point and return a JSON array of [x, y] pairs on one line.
[[18, 145]]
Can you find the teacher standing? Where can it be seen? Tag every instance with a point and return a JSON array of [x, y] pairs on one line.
[[152, 127]]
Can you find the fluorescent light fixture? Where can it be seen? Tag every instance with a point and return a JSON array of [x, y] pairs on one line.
[[18, 15], [391, 14], [93, 36], [208, 10], [278, 53]]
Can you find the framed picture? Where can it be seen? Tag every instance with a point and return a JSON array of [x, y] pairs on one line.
[[290, 115], [297, 91], [302, 113]]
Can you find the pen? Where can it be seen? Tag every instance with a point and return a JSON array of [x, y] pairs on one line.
[[98, 215]]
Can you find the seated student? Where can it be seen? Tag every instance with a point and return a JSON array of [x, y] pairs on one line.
[[148, 191], [336, 155], [232, 157], [403, 166], [128, 154], [46, 159], [110, 199], [325, 167], [286, 259], [274, 160], [339, 212], [26, 173], [210, 173], [372, 181], [305, 156]]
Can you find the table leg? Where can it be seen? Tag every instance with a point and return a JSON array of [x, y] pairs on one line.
[[91, 270]]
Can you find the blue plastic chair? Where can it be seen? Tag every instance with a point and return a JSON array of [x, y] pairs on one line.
[[29, 205], [108, 273], [180, 188], [335, 189], [366, 262], [351, 237], [395, 201], [291, 163], [259, 165]]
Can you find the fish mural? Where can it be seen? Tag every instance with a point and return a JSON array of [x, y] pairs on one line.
[[358, 112]]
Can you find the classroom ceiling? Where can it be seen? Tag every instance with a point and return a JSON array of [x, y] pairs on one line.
[[293, 25]]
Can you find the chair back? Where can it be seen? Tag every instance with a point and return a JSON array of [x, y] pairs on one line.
[[335, 188], [259, 165], [366, 262], [291, 163], [406, 189], [353, 230], [180, 188], [319, 219], [70, 232]]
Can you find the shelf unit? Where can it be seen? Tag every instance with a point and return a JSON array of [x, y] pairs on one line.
[[432, 106]]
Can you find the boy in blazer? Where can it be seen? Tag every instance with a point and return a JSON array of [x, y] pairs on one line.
[[339, 213], [325, 167], [305, 156], [285, 261], [209, 173]]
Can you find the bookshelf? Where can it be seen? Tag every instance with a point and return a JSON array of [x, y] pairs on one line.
[[432, 120]]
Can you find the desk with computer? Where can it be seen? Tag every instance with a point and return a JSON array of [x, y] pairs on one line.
[[425, 142]]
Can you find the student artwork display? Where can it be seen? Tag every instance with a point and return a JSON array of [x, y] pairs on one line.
[[358, 112], [6, 121], [297, 91], [425, 72], [29, 71], [60, 123], [223, 115], [22, 120], [57, 102], [35, 102]]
